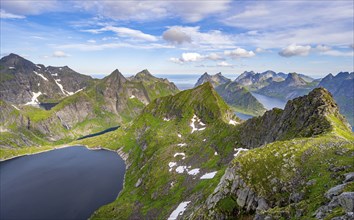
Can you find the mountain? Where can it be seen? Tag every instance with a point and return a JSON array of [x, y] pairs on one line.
[[293, 86], [255, 81], [156, 87], [188, 154], [111, 101], [240, 99], [23, 82], [342, 88], [215, 80]]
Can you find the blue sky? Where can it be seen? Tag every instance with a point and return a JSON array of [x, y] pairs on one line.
[[182, 37]]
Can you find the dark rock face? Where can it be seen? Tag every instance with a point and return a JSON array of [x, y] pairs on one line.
[[302, 117], [20, 79], [215, 80], [342, 88]]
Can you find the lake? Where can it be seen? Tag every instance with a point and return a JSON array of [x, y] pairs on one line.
[[68, 183], [269, 102]]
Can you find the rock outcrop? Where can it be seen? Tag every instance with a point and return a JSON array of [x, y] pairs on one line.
[[215, 80]]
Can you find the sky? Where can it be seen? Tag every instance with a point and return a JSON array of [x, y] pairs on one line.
[[182, 37]]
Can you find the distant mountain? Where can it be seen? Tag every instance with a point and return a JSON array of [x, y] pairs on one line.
[[342, 88], [239, 98], [22, 81], [293, 86], [215, 80], [156, 87], [254, 81]]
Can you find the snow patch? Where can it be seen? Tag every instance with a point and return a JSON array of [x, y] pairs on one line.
[[192, 124], [60, 68], [232, 122], [193, 172], [208, 175], [15, 107], [11, 68], [179, 135], [179, 210], [182, 145], [55, 74], [180, 154], [180, 169], [171, 165], [39, 67], [204, 140], [216, 153], [60, 86], [238, 150], [38, 84], [38, 74], [132, 96], [166, 119], [34, 100]]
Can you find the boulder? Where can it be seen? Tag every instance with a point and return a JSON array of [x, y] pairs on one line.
[[346, 200]]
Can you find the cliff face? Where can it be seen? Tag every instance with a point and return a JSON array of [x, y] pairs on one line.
[[24, 82], [305, 116], [342, 88]]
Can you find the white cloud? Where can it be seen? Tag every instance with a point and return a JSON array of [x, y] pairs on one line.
[[210, 40], [295, 50], [239, 53], [60, 54], [195, 57], [30, 7], [6, 15], [338, 53], [276, 24], [214, 56], [91, 41], [176, 35], [323, 48], [224, 64], [139, 10], [98, 47], [124, 32]]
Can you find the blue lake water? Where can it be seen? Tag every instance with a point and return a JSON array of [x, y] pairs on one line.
[[243, 116], [68, 183], [269, 102]]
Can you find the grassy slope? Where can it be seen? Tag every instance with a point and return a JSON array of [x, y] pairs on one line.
[[156, 197]]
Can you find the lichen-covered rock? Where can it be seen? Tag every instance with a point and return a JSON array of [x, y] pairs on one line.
[[346, 200]]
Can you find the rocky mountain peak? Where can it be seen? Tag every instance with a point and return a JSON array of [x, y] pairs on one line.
[[294, 79], [115, 77], [305, 116], [215, 80], [14, 61], [144, 74]]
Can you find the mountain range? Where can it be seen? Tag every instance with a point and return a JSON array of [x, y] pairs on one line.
[[187, 155]]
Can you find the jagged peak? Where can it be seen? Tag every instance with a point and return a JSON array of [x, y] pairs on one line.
[[305, 116], [16, 61], [115, 76], [143, 74], [294, 79]]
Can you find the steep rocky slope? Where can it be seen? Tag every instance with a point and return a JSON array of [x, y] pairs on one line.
[[22, 81], [291, 177], [254, 81], [109, 102], [342, 88]]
